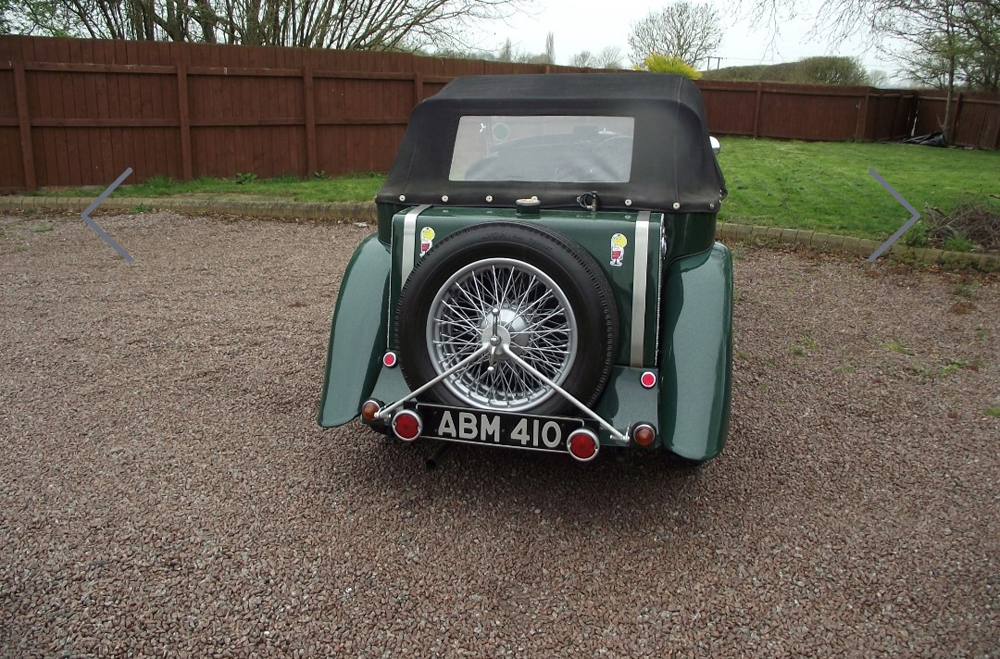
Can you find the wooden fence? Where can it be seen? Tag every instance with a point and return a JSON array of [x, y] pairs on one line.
[[79, 111]]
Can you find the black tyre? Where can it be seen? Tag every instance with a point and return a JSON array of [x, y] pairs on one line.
[[543, 293]]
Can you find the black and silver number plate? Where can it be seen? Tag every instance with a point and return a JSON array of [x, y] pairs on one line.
[[538, 433]]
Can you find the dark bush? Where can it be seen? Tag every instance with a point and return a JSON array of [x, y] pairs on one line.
[[975, 222]]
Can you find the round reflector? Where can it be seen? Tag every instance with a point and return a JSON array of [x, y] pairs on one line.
[[407, 425], [648, 379], [583, 444], [370, 409], [643, 434], [389, 359]]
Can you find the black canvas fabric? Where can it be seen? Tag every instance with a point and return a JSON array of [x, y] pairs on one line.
[[672, 160]]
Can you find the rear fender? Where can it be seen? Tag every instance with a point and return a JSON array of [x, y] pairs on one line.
[[357, 334], [696, 368]]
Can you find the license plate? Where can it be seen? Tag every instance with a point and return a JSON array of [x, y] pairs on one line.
[[537, 433]]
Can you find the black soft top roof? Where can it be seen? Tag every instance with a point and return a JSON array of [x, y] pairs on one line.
[[672, 169]]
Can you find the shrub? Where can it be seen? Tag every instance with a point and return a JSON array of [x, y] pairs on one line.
[[969, 224], [657, 63]]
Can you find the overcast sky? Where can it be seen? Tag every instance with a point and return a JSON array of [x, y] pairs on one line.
[[593, 24]]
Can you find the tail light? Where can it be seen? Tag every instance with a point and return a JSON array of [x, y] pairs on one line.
[[370, 409], [407, 425], [583, 444], [643, 434]]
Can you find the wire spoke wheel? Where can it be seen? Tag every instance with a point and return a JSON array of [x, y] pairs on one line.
[[522, 291], [521, 305]]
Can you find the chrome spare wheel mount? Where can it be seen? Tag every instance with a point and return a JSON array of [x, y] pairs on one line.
[[498, 344]]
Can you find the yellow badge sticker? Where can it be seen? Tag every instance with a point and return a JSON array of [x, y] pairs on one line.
[[426, 239], [618, 242]]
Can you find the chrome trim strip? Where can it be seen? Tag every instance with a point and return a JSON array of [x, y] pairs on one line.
[[638, 329], [409, 242]]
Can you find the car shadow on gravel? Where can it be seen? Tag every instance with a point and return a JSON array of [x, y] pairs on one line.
[[615, 484]]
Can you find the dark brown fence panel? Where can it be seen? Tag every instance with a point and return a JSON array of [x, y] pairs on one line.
[[807, 112], [890, 114], [77, 111], [732, 109], [974, 120], [11, 167]]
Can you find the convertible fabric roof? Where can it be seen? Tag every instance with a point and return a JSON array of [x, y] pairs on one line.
[[673, 168]]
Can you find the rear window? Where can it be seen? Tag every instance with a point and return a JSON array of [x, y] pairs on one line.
[[556, 149]]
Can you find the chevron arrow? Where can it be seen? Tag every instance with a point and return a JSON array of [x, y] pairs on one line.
[[914, 216], [96, 227]]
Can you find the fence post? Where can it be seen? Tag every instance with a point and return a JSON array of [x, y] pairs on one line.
[[756, 111], [418, 88], [24, 123], [183, 113], [862, 122], [310, 101]]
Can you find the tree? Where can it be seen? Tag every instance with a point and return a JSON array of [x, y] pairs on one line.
[[807, 71], [830, 71], [584, 59], [948, 42], [609, 58], [344, 24], [509, 53], [690, 32], [506, 53], [981, 30], [4, 20], [878, 78]]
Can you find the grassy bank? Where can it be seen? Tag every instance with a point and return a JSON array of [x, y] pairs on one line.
[[823, 186], [827, 187], [354, 187]]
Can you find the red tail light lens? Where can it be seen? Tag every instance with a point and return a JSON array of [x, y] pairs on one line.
[[583, 444], [370, 409], [407, 425], [643, 435]]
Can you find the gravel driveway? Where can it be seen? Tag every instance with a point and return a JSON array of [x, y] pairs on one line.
[[165, 490]]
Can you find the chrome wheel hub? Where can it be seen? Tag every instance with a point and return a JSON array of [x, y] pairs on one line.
[[504, 304]]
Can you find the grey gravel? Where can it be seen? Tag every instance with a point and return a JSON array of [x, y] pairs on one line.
[[165, 490]]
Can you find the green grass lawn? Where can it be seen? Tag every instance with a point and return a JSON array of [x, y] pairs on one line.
[[355, 187], [826, 186], [823, 186]]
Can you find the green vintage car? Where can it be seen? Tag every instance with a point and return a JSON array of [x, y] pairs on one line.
[[545, 274]]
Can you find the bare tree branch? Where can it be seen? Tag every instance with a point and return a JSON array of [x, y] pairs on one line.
[[690, 32], [346, 24]]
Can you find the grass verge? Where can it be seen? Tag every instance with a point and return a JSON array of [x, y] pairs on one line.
[[354, 187], [822, 186], [825, 186]]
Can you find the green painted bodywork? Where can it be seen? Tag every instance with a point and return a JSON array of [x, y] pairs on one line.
[[697, 362], [593, 231], [357, 334], [689, 324]]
